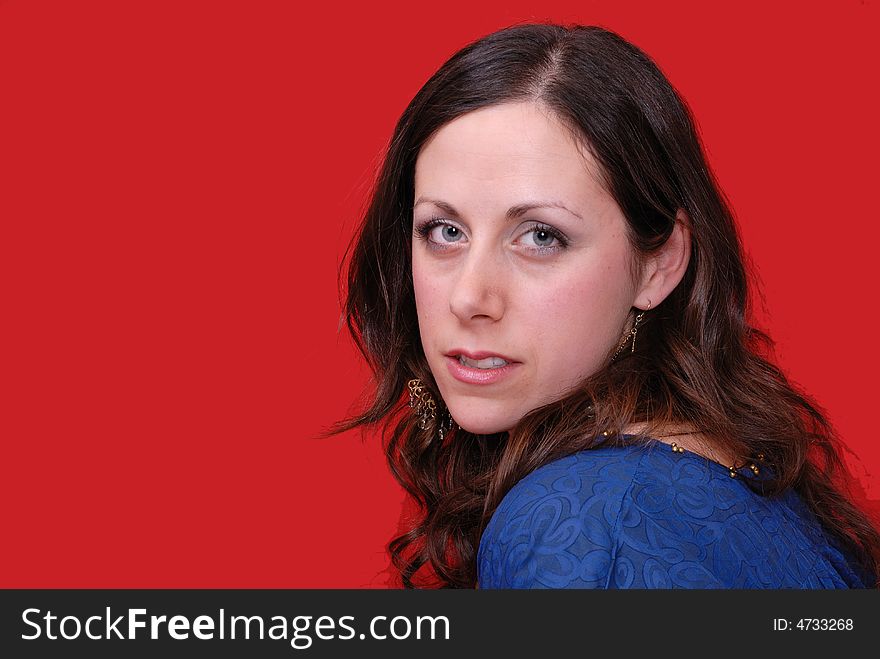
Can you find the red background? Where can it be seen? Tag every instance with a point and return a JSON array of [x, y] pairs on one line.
[[178, 181]]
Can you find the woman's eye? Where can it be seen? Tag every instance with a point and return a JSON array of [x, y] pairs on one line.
[[445, 233], [542, 237]]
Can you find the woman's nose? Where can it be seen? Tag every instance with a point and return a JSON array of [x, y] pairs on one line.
[[478, 288]]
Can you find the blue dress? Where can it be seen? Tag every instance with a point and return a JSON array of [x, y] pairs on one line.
[[649, 517]]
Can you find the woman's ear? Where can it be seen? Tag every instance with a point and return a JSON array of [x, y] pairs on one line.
[[666, 267]]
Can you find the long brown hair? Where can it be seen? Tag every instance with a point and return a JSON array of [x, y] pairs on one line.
[[700, 361]]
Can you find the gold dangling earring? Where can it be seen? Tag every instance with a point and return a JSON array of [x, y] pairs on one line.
[[422, 402], [635, 328], [426, 408], [632, 333]]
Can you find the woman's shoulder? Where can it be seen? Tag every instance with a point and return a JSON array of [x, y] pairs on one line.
[[613, 473], [611, 469], [561, 519], [650, 516]]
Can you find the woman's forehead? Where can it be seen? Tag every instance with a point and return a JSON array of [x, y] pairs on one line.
[[492, 136], [508, 152]]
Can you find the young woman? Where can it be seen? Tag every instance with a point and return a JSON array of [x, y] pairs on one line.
[[551, 292]]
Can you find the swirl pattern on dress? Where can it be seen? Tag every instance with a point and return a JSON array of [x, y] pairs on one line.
[[643, 517]]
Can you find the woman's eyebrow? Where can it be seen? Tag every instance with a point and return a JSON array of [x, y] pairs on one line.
[[512, 213]]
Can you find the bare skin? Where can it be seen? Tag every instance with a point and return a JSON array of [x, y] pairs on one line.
[[686, 436]]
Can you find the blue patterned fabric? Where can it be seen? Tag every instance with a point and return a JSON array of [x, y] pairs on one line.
[[648, 517]]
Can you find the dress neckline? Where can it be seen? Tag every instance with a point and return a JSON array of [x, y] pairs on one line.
[[754, 469]]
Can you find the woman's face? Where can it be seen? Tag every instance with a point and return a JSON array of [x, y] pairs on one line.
[[547, 287]]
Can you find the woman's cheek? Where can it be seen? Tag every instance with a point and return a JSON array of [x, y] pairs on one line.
[[573, 321]]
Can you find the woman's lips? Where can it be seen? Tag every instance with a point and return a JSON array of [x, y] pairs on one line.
[[470, 375], [480, 354]]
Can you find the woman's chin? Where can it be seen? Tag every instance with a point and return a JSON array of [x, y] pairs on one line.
[[482, 426], [482, 415]]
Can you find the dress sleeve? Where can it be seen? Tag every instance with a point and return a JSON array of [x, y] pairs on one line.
[[655, 519], [556, 528]]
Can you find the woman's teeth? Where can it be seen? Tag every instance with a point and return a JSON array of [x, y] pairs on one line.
[[489, 362]]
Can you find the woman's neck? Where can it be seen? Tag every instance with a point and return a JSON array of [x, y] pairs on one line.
[[689, 438]]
